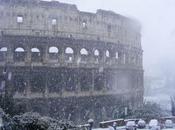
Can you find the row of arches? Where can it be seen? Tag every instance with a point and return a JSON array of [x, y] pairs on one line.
[[69, 50], [65, 80], [57, 81], [53, 54], [52, 49], [19, 49]]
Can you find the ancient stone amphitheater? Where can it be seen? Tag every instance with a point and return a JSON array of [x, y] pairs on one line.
[[67, 63]]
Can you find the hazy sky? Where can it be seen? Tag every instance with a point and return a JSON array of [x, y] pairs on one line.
[[158, 26]]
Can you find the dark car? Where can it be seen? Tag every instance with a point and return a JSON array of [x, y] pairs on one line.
[[141, 124]]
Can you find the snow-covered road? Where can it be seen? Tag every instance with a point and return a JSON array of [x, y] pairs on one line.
[[123, 128]]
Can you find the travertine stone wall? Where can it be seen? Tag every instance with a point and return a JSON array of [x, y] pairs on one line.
[[70, 64]]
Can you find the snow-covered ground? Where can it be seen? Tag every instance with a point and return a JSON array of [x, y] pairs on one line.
[[123, 128]]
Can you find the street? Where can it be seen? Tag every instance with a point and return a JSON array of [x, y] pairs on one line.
[[123, 128]]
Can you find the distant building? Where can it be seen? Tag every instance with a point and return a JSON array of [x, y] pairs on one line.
[[70, 64]]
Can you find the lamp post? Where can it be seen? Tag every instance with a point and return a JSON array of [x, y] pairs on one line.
[[90, 122]]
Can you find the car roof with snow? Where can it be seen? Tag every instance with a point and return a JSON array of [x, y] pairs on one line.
[[153, 122]]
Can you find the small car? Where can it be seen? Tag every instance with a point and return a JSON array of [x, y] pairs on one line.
[[168, 124], [131, 125], [141, 124], [154, 124]]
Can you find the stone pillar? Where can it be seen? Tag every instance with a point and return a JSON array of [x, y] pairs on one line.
[[77, 61], [63, 81], [112, 57], [137, 60], [28, 55], [92, 56], [93, 80], [127, 58], [62, 52], [141, 60], [45, 54], [105, 80], [46, 92], [78, 85], [122, 57], [10, 53], [103, 57], [28, 85], [77, 56], [135, 63]]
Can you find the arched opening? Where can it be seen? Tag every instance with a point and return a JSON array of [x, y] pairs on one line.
[[19, 83], [53, 53], [119, 57], [37, 82], [133, 60], [70, 80], [69, 54], [107, 54], [35, 50], [116, 55], [19, 54], [36, 55], [3, 49], [96, 52], [109, 29], [137, 59], [55, 82], [85, 80], [83, 51], [69, 50], [3, 53], [99, 82], [84, 24], [97, 56], [53, 49], [124, 58], [111, 80], [84, 55], [19, 49]]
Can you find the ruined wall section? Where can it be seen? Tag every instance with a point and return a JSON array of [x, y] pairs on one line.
[[58, 19]]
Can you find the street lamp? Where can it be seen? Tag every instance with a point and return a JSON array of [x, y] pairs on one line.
[[90, 122]]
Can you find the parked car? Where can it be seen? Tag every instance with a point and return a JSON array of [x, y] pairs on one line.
[[141, 124], [154, 124], [168, 124], [131, 125]]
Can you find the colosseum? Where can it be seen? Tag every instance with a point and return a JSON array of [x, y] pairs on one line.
[[69, 64]]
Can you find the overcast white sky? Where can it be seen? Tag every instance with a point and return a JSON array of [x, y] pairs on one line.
[[158, 26]]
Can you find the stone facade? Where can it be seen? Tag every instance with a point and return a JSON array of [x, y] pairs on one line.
[[70, 64]]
